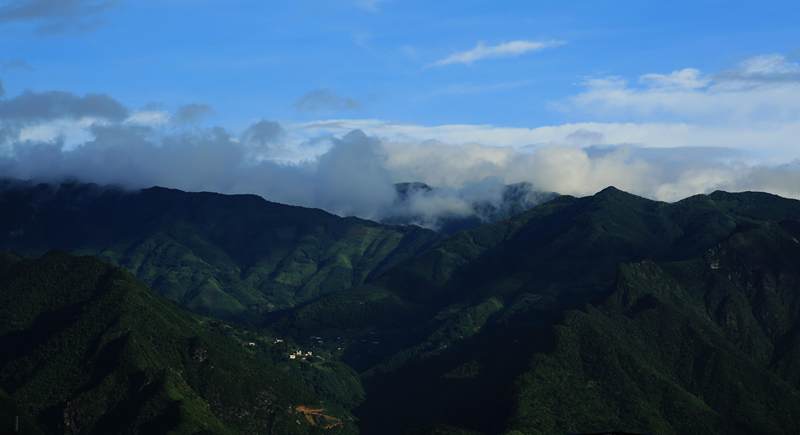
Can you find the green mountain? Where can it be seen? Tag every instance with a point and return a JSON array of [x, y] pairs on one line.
[[582, 315], [231, 256], [90, 350], [609, 312]]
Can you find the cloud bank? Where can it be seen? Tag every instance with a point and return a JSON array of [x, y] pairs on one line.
[[760, 90], [673, 135], [42, 106]]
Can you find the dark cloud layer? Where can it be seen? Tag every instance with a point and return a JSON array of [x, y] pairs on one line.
[[264, 133], [192, 113], [348, 179], [39, 106], [54, 16]]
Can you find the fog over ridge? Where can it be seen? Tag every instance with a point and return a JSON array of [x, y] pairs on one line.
[[49, 136]]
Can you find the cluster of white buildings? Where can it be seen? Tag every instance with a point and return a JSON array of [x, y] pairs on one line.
[[299, 354]]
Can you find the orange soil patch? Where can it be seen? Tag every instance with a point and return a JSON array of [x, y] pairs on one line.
[[317, 417]]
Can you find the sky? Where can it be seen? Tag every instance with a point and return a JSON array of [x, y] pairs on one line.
[[665, 99]]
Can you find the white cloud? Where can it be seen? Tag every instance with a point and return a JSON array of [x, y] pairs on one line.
[[770, 138], [505, 49], [71, 132], [768, 68], [353, 173], [761, 91], [667, 136], [148, 118], [687, 78]]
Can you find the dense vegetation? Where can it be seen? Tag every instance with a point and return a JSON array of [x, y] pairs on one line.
[[610, 312], [233, 257], [89, 350], [538, 313]]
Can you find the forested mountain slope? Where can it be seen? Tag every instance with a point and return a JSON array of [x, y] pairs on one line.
[[232, 256], [581, 315], [87, 349], [609, 312]]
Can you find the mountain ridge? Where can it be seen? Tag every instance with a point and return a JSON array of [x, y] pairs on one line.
[[531, 272], [693, 307], [232, 256]]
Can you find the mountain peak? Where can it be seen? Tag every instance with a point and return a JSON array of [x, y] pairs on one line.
[[610, 190], [615, 198], [613, 192]]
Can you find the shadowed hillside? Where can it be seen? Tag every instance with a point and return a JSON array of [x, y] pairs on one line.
[[232, 256], [582, 315], [95, 352], [609, 312]]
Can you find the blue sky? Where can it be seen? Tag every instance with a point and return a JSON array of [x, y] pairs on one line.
[[664, 99], [255, 59]]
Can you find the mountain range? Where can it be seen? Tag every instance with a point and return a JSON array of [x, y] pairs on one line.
[[231, 256], [610, 312]]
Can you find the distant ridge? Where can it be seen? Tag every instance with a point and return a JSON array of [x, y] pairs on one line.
[[233, 256]]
